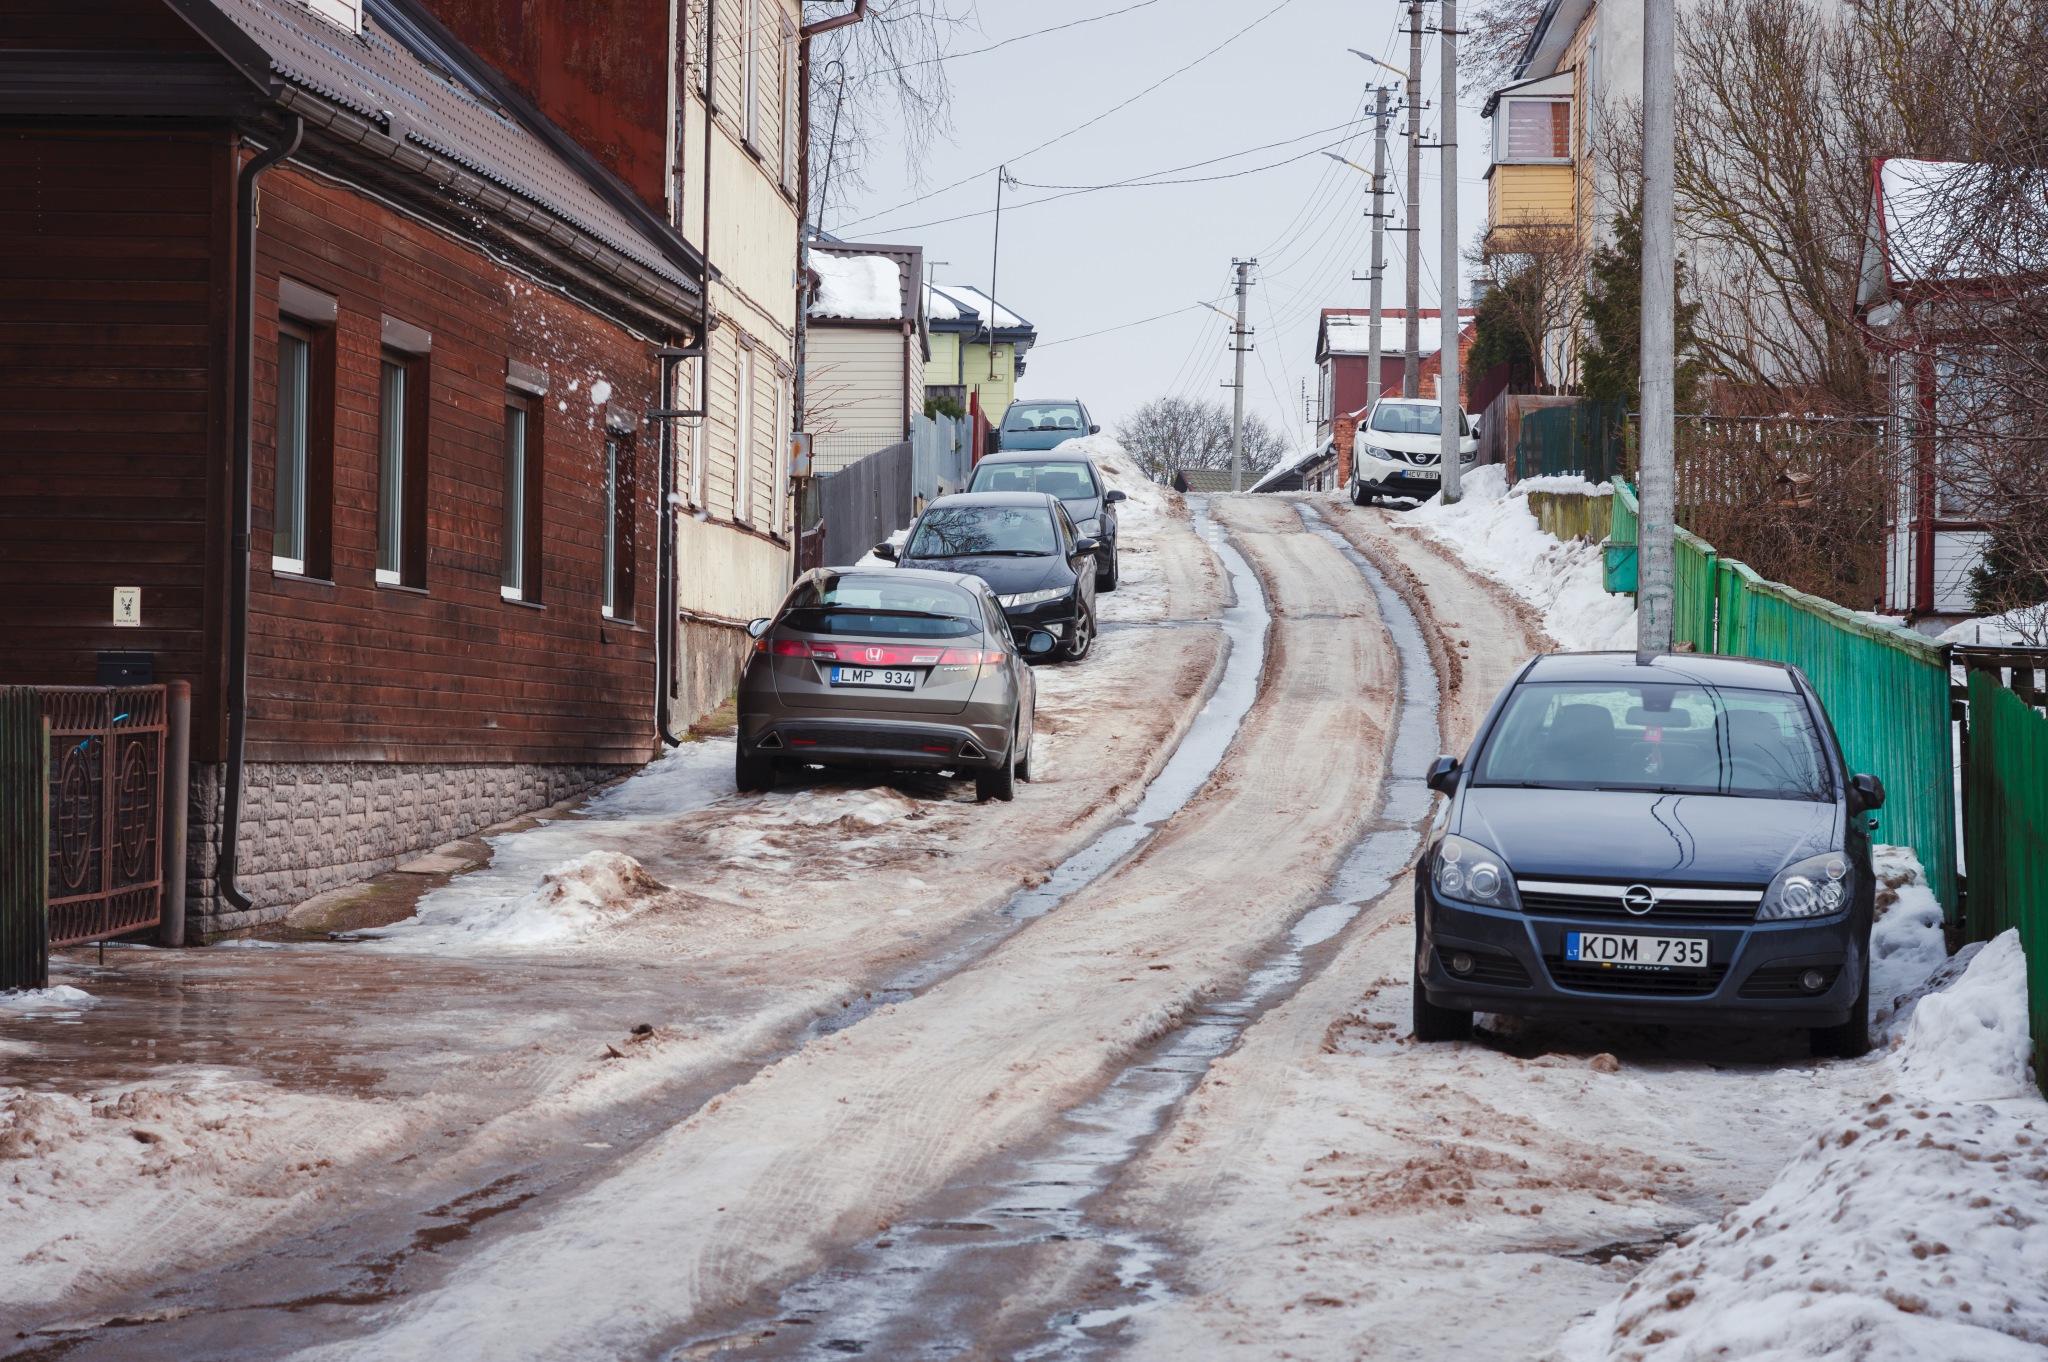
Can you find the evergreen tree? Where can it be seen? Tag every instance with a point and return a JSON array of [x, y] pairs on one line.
[[1497, 332], [1611, 368]]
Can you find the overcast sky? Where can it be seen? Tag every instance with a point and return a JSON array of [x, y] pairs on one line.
[[1091, 261]]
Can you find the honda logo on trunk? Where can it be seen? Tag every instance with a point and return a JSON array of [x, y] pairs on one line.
[[874, 654]]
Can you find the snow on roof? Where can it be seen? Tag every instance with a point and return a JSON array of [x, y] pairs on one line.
[[939, 307], [1350, 335], [857, 287], [1289, 464], [1930, 225], [977, 301]]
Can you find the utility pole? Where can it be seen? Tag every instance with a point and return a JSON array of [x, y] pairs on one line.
[[1452, 463], [1379, 249], [1656, 511], [1238, 337], [995, 256], [1411, 372]]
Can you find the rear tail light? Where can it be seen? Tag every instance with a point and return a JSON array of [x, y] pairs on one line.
[[969, 657]]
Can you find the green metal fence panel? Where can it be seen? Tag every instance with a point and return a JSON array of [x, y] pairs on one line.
[[1582, 438], [24, 840], [2006, 830], [1692, 607]]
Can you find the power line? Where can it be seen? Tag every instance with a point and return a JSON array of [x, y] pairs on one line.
[[1178, 71], [1089, 335], [1021, 37]]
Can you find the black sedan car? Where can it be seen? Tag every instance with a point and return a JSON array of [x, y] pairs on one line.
[[1676, 841], [1025, 546], [1076, 481]]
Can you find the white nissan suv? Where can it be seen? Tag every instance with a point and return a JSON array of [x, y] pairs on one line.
[[1396, 451]]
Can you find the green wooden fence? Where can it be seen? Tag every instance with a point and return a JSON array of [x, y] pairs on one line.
[[1583, 438], [2005, 817], [24, 840], [1886, 689]]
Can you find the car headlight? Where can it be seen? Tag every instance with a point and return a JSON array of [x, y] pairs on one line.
[[1467, 871], [1034, 597], [1815, 887], [1091, 528], [1375, 452]]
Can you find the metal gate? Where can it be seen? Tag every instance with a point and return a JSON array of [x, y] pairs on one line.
[[24, 839], [106, 809]]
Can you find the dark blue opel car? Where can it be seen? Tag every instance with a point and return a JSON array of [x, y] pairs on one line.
[[1676, 841]]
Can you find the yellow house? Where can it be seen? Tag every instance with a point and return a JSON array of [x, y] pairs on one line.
[[978, 349], [1533, 180]]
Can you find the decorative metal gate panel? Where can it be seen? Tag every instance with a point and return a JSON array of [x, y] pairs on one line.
[[106, 809]]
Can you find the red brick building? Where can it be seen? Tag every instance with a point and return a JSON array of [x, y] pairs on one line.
[[1344, 368], [322, 335]]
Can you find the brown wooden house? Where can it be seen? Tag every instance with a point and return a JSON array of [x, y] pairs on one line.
[[319, 271]]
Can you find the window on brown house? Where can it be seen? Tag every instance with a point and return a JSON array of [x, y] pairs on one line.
[[521, 567], [402, 470], [619, 504], [302, 502]]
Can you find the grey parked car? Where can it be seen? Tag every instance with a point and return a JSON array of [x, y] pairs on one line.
[[887, 667], [1076, 481]]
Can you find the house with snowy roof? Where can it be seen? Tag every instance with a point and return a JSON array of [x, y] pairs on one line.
[[1938, 277], [978, 349], [865, 351]]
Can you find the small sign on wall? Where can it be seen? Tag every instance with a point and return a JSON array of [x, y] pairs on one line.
[[128, 607]]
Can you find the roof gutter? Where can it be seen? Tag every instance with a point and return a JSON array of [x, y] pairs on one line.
[[244, 458], [852, 16]]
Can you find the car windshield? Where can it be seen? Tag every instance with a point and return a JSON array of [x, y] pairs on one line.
[[1675, 738], [884, 605], [1399, 418], [1065, 479], [979, 531], [1045, 416]]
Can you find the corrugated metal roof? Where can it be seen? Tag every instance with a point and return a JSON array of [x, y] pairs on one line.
[[438, 97]]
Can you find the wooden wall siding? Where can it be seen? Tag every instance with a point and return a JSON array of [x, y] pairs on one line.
[[350, 671], [594, 67], [857, 382], [113, 403]]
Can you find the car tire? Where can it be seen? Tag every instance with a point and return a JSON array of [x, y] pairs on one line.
[[1361, 497], [1850, 1040], [1024, 762], [998, 782], [1080, 639], [1433, 1023], [1106, 581], [753, 774]]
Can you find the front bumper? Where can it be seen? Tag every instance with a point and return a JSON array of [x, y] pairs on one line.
[[917, 745], [1518, 968], [1052, 616], [1390, 479]]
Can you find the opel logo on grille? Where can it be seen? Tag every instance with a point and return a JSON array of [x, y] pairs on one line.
[[1639, 899]]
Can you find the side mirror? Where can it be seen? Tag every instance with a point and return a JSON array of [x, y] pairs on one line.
[[886, 550], [756, 628], [1087, 544], [1443, 775], [1866, 793], [1095, 430], [1037, 643], [1116, 496]]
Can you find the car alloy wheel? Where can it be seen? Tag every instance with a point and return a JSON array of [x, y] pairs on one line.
[[1081, 637]]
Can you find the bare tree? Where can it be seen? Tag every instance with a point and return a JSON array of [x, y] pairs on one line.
[[1169, 434], [1539, 290], [883, 77], [1496, 34]]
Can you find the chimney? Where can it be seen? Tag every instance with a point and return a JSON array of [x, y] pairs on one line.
[[599, 71]]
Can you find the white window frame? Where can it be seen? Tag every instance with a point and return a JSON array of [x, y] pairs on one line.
[[750, 76], [743, 440], [792, 120], [780, 454], [1505, 116], [294, 440]]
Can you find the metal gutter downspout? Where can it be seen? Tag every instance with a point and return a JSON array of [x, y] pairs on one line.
[[244, 457]]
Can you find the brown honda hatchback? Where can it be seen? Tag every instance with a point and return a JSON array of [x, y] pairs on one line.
[[887, 667]]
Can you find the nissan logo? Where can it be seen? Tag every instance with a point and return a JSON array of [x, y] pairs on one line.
[[1639, 899]]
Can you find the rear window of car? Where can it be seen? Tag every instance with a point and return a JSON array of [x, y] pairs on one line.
[[1064, 478], [903, 607], [1677, 739], [1044, 416]]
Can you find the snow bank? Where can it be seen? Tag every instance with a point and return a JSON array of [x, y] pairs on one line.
[[60, 998], [1494, 532], [857, 287], [1906, 942], [2020, 627], [1913, 1230]]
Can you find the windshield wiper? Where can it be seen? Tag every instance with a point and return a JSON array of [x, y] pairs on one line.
[[990, 553]]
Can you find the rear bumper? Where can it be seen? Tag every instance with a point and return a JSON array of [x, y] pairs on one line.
[[1518, 968], [913, 744]]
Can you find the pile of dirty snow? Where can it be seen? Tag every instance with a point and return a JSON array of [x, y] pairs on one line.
[[574, 899], [1913, 1229], [59, 998], [1493, 531], [2025, 627]]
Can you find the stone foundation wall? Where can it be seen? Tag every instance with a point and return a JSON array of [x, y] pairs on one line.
[[311, 827], [709, 660]]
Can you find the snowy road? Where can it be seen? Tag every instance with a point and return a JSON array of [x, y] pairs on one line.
[[909, 1085]]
